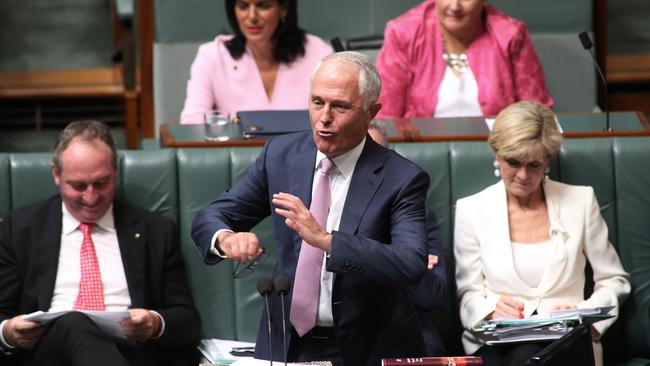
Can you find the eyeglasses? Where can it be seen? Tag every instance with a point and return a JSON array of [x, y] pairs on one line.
[[243, 270]]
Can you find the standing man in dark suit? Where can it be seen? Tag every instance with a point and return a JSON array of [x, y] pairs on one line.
[[86, 250], [371, 243]]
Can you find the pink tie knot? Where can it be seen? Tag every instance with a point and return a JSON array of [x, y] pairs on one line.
[[326, 165], [86, 228]]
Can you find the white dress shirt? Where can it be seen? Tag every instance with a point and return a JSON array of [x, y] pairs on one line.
[[340, 178], [109, 257]]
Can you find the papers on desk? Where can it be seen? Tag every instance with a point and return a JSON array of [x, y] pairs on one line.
[[538, 327], [218, 352], [108, 321], [247, 361]]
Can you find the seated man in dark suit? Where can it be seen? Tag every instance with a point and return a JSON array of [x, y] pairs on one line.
[[86, 250], [349, 222], [431, 294]]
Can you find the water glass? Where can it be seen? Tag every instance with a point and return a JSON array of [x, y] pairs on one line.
[[218, 126]]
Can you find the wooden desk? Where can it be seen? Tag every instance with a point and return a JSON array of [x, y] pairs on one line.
[[575, 125]]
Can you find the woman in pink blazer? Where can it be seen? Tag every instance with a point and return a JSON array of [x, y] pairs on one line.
[[266, 64], [448, 58]]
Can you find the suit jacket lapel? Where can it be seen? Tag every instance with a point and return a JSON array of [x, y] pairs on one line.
[[363, 186], [499, 228], [132, 238], [301, 170], [47, 228]]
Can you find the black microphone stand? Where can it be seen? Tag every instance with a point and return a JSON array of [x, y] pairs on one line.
[[265, 288], [588, 45], [282, 285]]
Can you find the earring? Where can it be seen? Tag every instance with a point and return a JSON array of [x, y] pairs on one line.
[[497, 172], [546, 171], [283, 19]]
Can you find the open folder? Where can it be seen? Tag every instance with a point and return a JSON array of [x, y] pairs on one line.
[[549, 326]]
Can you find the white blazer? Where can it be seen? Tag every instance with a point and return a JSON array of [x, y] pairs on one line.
[[485, 268]]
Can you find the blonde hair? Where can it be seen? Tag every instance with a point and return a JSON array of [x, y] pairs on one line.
[[525, 130]]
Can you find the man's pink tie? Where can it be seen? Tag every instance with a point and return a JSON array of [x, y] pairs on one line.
[[304, 303], [91, 290]]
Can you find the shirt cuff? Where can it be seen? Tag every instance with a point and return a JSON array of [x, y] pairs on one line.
[[6, 347], [213, 244], [162, 325]]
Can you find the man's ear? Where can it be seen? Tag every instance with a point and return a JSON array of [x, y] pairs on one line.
[[374, 109], [55, 175]]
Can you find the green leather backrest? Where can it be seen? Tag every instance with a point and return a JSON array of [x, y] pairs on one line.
[[145, 178], [201, 173], [590, 162], [229, 308], [31, 178], [179, 183], [631, 157]]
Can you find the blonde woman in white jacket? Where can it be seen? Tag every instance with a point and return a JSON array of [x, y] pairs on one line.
[[521, 245]]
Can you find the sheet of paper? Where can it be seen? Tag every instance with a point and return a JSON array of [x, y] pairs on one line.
[[108, 321], [44, 317]]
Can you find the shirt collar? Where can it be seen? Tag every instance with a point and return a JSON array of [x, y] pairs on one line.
[[345, 162], [71, 224]]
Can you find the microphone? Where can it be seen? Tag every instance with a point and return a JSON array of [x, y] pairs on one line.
[[265, 288], [282, 285], [587, 44]]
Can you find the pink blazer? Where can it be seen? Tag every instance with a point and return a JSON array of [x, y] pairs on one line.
[[219, 81], [501, 56]]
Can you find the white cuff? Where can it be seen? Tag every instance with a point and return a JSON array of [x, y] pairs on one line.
[[6, 347], [162, 325], [213, 244]]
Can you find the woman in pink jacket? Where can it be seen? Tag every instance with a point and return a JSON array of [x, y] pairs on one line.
[[266, 64], [447, 58]]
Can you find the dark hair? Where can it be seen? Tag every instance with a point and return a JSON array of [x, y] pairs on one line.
[[288, 39], [87, 131]]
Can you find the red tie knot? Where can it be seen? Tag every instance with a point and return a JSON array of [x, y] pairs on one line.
[[86, 228]]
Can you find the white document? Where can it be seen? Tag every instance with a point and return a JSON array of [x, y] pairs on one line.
[[567, 314], [247, 361], [108, 321]]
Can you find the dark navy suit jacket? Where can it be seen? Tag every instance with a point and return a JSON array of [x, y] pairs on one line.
[[377, 254], [432, 294]]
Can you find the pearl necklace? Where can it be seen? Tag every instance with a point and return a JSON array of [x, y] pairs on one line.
[[457, 62]]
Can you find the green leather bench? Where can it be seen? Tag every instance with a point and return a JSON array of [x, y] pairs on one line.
[[178, 183]]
